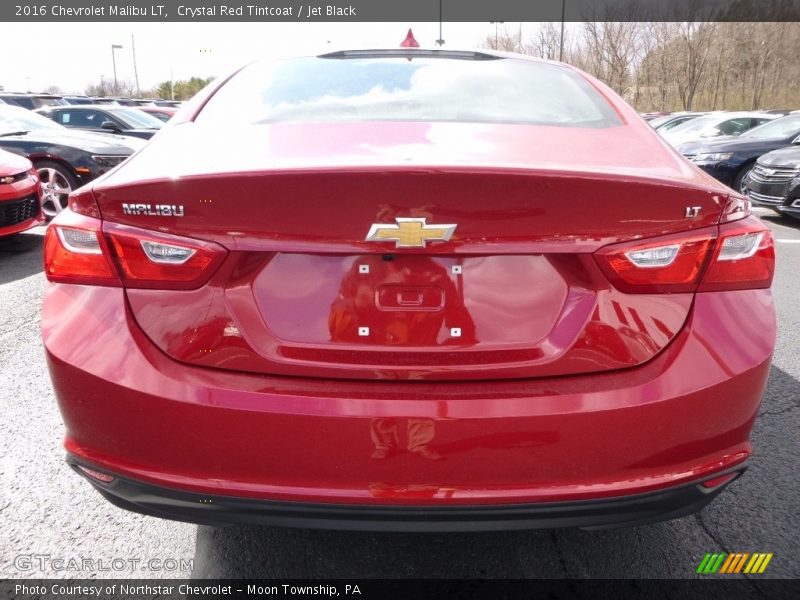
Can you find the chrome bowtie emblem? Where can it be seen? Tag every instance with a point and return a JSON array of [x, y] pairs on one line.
[[6, 179], [410, 232]]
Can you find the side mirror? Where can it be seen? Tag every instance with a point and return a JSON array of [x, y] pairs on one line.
[[109, 125]]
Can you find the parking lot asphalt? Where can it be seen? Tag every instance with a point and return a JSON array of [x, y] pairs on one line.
[[47, 512]]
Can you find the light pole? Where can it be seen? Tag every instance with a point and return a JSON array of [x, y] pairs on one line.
[[496, 23], [135, 70], [440, 41], [114, 62], [561, 45]]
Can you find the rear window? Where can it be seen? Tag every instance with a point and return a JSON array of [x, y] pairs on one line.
[[493, 90]]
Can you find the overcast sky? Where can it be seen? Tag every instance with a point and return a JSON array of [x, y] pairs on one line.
[[73, 55]]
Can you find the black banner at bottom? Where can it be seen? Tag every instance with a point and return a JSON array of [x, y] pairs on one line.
[[731, 588]]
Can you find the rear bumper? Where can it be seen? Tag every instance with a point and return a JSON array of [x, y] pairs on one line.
[[624, 511], [511, 450]]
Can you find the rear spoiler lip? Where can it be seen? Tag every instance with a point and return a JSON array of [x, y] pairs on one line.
[[562, 171]]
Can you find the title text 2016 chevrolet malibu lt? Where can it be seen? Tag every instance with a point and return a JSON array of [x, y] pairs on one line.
[[409, 290]]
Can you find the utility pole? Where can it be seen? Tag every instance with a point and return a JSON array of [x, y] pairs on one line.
[[440, 41], [496, 23], [135, 70], [114, 62], [171, 85], [561, 47]]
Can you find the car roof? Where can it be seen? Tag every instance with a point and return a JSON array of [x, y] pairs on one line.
[[82, 107], [29, 95], [465, 54]]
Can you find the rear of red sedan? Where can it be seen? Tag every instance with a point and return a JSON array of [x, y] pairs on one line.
[[409, 290], [20, 195]]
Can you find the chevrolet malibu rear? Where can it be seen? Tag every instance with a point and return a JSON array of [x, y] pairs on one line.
[[409, 290]]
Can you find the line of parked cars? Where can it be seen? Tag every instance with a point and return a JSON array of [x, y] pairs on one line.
[[756, 152], [50, 145]]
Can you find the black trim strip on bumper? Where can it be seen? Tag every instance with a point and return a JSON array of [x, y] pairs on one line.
[[619, 511]]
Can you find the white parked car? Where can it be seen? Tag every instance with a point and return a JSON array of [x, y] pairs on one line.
[[715, 125]]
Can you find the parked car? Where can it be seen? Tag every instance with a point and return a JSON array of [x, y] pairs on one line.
[[115, 119], [136, 102], [162, 113], [169, 103], [111, 101], [716, 125], [332, 254], [84, 100], [654, 115], [64, 158], [729, 159], [667, 122], [31, 101], [775, 181], [20, 201], [79, 100]]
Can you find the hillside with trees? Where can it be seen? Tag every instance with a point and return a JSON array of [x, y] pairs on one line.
[[676, 66]]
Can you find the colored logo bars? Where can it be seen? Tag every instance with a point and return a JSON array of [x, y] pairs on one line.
[[734, 563]]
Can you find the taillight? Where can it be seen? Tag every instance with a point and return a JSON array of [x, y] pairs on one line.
[[75, 251], [736, 255], [83, 202], [149, 259], [743, 259], [667, 264], [737, 207], [83, 250]]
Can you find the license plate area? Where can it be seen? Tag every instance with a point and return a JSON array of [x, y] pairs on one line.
[[410, 300]]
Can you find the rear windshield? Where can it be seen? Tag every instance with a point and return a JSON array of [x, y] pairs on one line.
[[404, 89]]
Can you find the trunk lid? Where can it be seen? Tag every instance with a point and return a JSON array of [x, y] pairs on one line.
[[514, 292]]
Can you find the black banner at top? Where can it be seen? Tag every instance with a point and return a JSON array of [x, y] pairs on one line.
[[397, 10]]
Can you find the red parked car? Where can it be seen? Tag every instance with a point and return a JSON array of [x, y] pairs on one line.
[[162, 113], [409, 290], [20, 195]]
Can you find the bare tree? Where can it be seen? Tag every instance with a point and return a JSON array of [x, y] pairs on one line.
[[671, 65]]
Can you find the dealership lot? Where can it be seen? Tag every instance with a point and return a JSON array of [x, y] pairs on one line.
[[48, 511]]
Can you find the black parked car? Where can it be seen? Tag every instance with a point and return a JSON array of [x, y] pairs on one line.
[[775, 181], [729, 159], [115, 119], [65, 159], [80, 100], [31, 101]]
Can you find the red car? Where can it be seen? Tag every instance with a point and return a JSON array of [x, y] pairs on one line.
[[162, 113], [20, 195], [409, 290]]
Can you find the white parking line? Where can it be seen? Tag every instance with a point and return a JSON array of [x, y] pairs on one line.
[[788, 241]]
